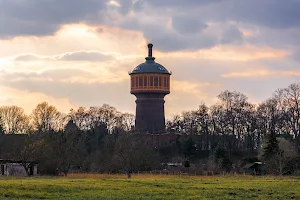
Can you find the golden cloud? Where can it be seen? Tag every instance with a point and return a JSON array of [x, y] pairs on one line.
[[254, 73], [248, 73], [232, 53]]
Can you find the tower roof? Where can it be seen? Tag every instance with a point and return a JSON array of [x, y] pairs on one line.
[[150, 66]]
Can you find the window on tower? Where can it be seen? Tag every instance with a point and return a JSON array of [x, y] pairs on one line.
[[145, 81], [136, 82], [151, 80], [155, 81], [160, 81], [140, 81], [132, 82], [167, 83]]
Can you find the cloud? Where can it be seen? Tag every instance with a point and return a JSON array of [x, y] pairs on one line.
[[295, 55], [261, 72], [42, 87], [197, 76], [179, 38], [58, 75], [91, 56], [174, 25], [87, 56], [245, 53], [180, 4], [184, 24], [35, 17], [43, 18], [232, 35], [29, 57], [79, 52], [189, 95], [273, 22], [80, 93], [64, 74], [17, 27], [270, 13], [249, 74]]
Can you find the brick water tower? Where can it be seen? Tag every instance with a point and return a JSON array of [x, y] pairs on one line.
[[150, 83]]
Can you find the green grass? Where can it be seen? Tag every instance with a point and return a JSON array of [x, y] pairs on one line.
[[150, 187]]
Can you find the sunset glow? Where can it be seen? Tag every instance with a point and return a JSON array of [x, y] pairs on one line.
[[81, 56]]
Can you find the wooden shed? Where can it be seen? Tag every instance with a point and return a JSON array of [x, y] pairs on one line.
[[17, 168]]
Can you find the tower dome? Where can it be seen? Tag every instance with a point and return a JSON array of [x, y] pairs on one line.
[[150, 66]]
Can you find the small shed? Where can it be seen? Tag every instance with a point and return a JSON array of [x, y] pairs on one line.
[[16, 168], [254, 168]]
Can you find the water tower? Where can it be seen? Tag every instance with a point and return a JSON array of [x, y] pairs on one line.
[[150, 83]]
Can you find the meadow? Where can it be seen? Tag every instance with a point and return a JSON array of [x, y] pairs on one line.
[[88, 186]]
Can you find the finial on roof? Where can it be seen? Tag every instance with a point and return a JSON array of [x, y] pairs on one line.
[[150, 50]]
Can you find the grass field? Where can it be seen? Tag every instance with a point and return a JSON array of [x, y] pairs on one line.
[[150, 187]]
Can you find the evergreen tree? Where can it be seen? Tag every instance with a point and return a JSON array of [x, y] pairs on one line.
[[272, 148], [189, 149], [222, 160]]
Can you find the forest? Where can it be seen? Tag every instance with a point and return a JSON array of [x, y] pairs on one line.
[[219, 138]]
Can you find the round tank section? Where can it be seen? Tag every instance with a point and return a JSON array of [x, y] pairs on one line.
[[159, 83]]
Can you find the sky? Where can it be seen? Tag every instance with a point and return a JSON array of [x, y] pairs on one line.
[[74, 53]]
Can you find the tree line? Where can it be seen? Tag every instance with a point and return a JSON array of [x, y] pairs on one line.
[[268, 131], [45, 118], [219, 137], [234, 115]]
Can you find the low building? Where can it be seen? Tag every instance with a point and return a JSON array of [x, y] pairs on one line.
[[16, 168], [160, 140], [254, 168]]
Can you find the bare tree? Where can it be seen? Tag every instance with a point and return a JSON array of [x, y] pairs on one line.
[[80, 118], [68, 148], [127, 121], [94, 117], [233, 111], [30, 153], [175, 124], [291, 105], [45, 118], [131, 154], [286, 153], [14, 120]]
